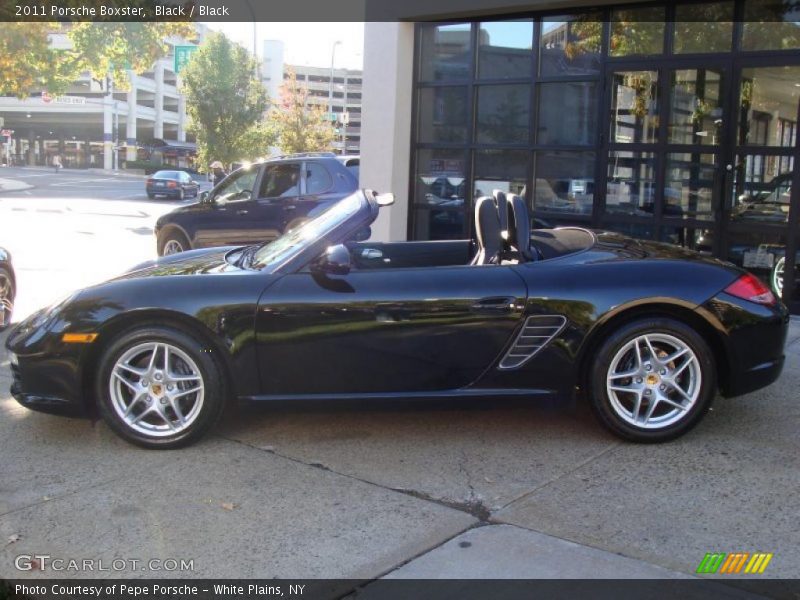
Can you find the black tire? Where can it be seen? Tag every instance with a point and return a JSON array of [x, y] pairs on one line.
[[151, 196], [212, 379], [601, 400], [8, 292], [173, 236]]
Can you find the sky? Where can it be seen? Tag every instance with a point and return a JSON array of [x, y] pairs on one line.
[[307, 44]]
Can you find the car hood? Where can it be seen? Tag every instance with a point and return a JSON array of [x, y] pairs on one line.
[[194, 262]]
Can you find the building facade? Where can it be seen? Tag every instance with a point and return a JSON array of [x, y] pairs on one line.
[[668, 121], [340, 96], [93, 125]]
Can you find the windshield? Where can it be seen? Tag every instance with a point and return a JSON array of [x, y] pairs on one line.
[[165, 175], [296, 240]]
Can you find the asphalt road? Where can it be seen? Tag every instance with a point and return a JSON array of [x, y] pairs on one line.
[[451, 489]]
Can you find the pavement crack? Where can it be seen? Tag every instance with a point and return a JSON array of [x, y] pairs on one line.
[[560, 476], [473, 506]]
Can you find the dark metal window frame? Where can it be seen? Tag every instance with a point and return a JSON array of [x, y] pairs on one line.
[[733, 62]]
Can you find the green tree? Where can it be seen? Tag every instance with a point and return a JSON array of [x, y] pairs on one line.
[[298, 126], [29, 63], [224, 101]]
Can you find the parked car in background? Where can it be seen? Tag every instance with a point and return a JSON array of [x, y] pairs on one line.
[[8, 288], [259, 202], [172, 184]]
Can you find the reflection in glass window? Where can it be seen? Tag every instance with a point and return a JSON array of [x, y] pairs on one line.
[[702, 28], [570, 45], [769, 97], [505, 49], [630, 188], [504, 170], [503, 114], [444, 52], [439, 191], [768, 25], [642, 231], [443, 114], [689, 185], [761, 253], [696, 107], [762, 188], [567, 113], [634, 107], [564, 182], [637, 31]]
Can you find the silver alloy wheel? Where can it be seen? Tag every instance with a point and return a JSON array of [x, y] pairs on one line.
[[6, 300], [156, 389], [777, 276], [653, 381], [172, 247]]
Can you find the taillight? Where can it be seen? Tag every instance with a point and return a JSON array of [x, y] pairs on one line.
[[749, 287], [149, 182], [171, 184]]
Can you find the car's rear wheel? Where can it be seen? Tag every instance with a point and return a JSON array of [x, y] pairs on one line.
[[7, 294], [172, 243], [151, 196], [159, 388], [652, 380]]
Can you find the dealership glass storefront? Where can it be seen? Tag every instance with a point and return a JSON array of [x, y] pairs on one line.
[[669, 122]]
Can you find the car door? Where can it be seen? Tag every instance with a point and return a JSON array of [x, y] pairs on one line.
[[227, 220], [390, 330]]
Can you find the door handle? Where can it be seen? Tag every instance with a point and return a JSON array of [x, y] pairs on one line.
[[495, 305], [289, 207], [241, 211]]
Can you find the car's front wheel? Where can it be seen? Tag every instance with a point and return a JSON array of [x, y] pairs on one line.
[[159, 387], [172, 242], [7, 294], [652, 380]]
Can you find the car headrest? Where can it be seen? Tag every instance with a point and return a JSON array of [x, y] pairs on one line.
[[519, 227], [487, 231], [502, 208]]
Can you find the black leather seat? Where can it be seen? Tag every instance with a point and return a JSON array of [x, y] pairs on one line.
[[519, 230], [487, 232]]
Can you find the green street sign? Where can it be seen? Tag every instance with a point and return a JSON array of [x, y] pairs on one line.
[[182, 56]]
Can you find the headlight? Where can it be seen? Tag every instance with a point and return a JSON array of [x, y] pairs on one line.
[[45, 315]]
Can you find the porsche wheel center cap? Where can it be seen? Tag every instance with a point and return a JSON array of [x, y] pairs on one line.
[[652, 379], [157, 389]]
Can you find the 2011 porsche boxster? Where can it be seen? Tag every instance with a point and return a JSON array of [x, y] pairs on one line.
[[650, 332]]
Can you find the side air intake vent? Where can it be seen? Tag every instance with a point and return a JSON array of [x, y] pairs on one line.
[[535, 335]]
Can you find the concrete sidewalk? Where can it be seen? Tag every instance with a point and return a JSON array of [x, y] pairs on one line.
[[502, 489]]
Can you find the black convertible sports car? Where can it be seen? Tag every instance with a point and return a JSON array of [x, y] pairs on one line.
[[649, 332]]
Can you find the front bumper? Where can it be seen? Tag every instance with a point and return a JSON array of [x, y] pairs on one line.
[[46, 381], [754, 337]]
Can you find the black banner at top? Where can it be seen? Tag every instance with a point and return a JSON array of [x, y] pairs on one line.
[[341, 10]]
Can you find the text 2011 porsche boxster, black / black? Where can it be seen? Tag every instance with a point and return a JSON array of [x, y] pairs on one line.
[[650, 332]]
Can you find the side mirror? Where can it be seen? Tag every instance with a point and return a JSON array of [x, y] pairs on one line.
[[362, 235], [335, 261]]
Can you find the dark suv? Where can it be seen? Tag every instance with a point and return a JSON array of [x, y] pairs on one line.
[[257, 203]]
